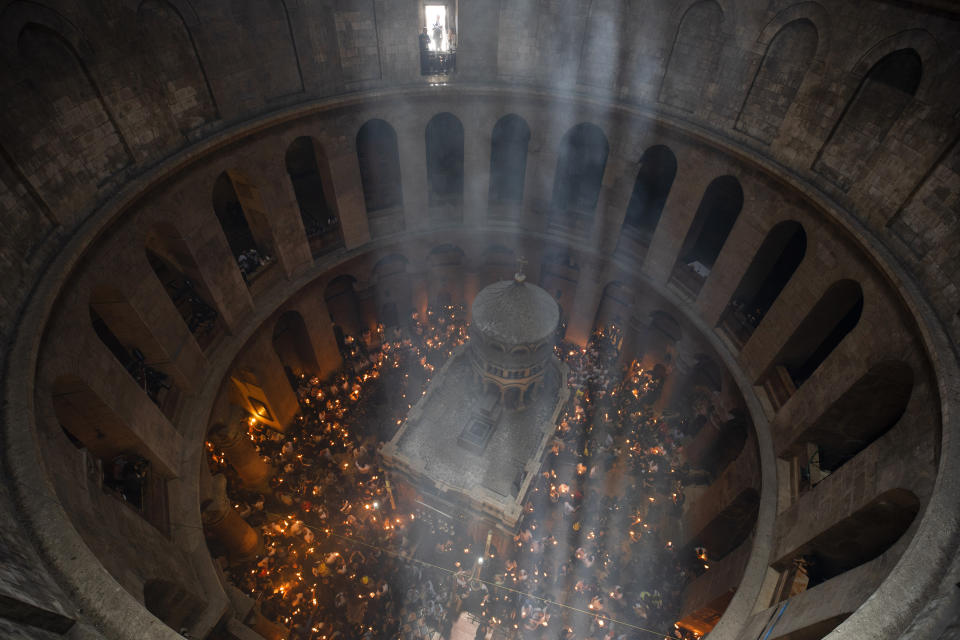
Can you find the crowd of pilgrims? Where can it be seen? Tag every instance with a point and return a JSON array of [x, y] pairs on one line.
[[345, 557]]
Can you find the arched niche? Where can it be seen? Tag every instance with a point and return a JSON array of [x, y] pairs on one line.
[[578, 179], [309, 172], [826, 325], [712, 224], [379, 159], [508, 161], [778, 78], [178, 72], [694, 57], [655, 175], [769, 272], [444, 145], [880, 100]]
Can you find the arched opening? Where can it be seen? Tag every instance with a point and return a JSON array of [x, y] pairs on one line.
[[508, 161], [393, 290], [179, 73], [864, 413], [125, 465], [123, 333], [778, 79], [695, 56], [172, 604], [379, 160], [658, 168], [772, 267], [444, 138], [178, 272], [343, 305], [234, 199], [559, 274], [880, 100], [445, 284], [857, 539], [579, 176], [292, 344], [614, 311], [309, 173], [715, 217], [828, 323]]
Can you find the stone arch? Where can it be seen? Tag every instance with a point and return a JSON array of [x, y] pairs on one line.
[[309, 171], [834, 316], [581, 163], [379, 158], [180, 76], [655, 176], [343, 304], [49, 130], [240, 214], [867, 410], [292, 344], [173, 263], [16, 16], [694, 56], [884, 93], [273, 48], [777, 80], [444, 145], [813, 12], [772, 266], [708, 232], [508, 159], [920, 41]]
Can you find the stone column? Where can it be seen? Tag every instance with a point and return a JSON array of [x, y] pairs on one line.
[[242, 455], [221, 520], [316, 317]]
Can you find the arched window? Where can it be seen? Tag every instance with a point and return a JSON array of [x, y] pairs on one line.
[[292, 344], [313, 186], [828, 323], [695, 56], [177, 270], [658, 167], [778, 78], [883, 95], [508, 160], [379, 160], [579, 175], [708, 232], [177, 69], [444, 138], [233, 200], [772, 267]]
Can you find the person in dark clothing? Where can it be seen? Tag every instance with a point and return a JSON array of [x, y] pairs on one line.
[[424, 52]]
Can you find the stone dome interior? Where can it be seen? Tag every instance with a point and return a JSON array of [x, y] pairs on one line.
[[242, 243]]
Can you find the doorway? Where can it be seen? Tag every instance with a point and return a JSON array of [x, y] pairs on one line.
[[436, 23]]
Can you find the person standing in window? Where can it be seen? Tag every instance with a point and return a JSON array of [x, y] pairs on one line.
[[437, 34], [424, 52]]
